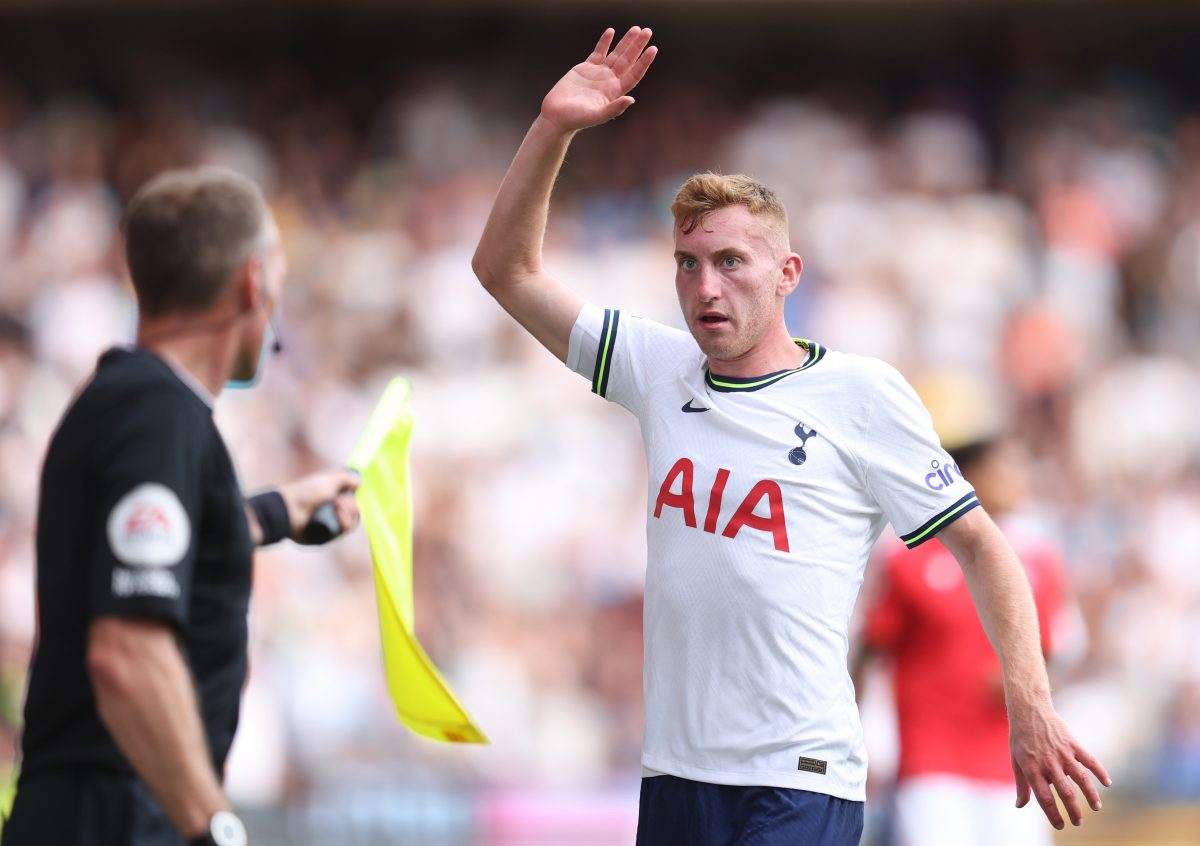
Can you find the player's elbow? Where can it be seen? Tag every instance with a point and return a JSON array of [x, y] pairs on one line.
[[483, 269], [499, 272]]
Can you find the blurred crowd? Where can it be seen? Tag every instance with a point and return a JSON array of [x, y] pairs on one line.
[[1050, 252]]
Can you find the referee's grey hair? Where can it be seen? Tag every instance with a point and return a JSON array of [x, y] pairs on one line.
[[186, 232]]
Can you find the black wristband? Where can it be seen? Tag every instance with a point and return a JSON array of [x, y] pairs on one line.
[[271, 511]]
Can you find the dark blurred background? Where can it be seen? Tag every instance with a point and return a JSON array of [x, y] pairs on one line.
[[1003, 193]]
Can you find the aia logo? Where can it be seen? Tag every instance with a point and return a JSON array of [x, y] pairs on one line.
[[798, 456], [681, 476]]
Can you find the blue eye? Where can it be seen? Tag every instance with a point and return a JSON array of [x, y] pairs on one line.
[[687, 263], [730, 261]]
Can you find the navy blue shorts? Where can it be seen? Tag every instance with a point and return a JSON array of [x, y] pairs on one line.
[[677, 812]]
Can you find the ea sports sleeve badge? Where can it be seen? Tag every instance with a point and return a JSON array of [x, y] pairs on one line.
[[421, 696], [149, 535], [148, 527]]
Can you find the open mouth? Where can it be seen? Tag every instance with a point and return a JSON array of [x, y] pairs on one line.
[[713, 319]]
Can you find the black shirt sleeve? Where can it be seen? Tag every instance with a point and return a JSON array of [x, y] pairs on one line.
[[145, 480]]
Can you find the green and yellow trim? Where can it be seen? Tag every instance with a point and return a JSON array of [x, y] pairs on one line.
[[940, 521], [608, 340], [815, 351]]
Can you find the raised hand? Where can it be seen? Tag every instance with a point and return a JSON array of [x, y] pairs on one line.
[[597, 89]]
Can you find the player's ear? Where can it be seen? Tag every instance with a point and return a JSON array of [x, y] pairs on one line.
[[790, 276]]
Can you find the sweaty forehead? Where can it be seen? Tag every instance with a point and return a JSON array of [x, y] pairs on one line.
[[732, 226]]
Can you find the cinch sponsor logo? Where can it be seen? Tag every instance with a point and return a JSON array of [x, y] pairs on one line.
[[943, 475], [681, 475]]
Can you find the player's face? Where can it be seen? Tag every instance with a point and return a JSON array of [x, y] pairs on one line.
[[731, 277]]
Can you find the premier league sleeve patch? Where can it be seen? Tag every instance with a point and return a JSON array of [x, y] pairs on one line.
[[148, 527]]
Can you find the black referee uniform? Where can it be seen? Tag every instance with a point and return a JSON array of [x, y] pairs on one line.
[[141, 515]]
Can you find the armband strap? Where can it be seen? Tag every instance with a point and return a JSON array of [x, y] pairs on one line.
[[271, 511]]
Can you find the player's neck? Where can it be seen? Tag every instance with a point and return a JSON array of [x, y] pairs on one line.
[[204, 351], [773, 353]]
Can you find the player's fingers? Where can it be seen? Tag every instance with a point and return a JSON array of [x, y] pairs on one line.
[[1093, 763], [1083, 778], [1022, 785], [634, 75], [1045, 798], [615, 108], [628, 48], [601, 51], [1069, 796]]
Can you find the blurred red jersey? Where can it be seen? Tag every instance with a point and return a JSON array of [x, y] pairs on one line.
[[946, 678]]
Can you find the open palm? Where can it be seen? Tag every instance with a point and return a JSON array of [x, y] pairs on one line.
[[597, 90]]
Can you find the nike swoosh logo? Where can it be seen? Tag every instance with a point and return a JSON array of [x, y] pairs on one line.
[[691, 409]]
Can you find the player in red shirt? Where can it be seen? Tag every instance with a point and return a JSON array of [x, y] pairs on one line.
[[955, 778]]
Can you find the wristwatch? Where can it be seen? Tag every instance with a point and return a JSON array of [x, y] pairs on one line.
[[224, 829]]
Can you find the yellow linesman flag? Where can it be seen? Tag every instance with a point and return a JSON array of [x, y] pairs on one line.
[[422, 698]]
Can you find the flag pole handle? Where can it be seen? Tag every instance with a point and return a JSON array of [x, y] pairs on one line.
[[323, 526]]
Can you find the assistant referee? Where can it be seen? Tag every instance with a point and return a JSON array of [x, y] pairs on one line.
[[145, 541]]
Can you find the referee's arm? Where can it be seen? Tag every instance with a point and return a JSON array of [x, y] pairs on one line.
[[1045, 754], [146, 700]]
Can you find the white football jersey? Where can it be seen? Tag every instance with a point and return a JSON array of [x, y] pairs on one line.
[[765, 497]]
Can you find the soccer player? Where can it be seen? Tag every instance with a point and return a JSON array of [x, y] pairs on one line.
[[773, 465], [954, 776], [145, 541]]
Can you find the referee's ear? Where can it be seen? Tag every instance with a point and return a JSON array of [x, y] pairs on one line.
[[248, 281]]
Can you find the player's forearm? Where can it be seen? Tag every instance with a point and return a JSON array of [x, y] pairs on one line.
[[145, 698], [1005, 604], [511, 245]]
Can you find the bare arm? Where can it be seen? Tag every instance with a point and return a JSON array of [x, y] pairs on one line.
[[1043, 749], [146, 701], [508, 260]]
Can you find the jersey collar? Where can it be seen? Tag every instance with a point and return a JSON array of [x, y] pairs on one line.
[[186, 378], [726, 384]]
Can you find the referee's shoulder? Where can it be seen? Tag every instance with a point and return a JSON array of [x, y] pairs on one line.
[[132, 386]]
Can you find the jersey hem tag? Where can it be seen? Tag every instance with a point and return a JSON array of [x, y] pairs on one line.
[[812, 765]]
